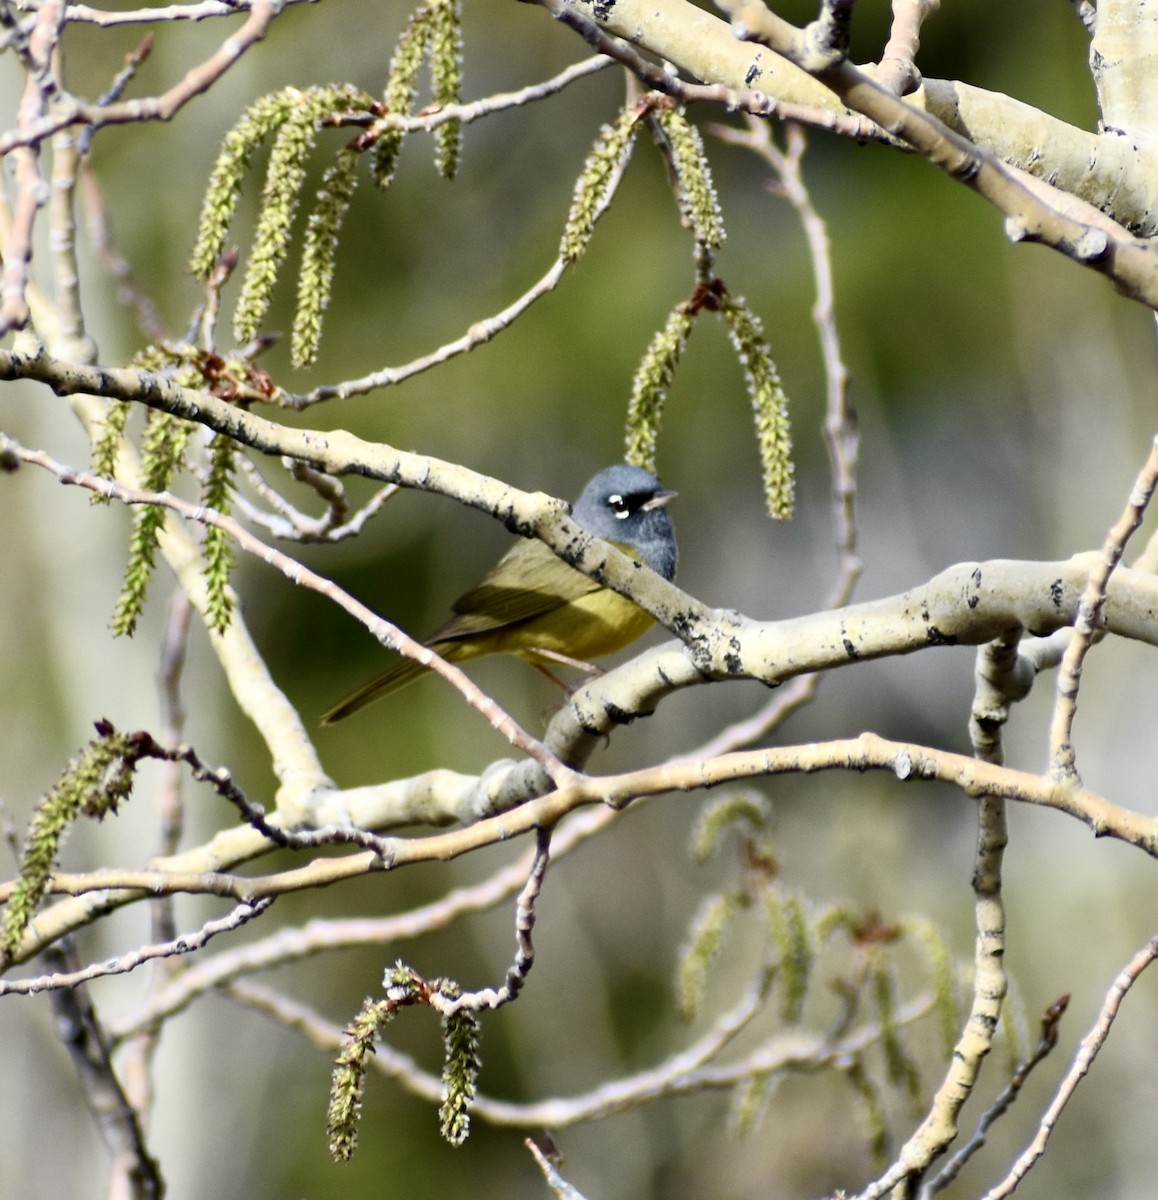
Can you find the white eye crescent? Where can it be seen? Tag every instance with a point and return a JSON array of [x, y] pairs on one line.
[[619, 506]]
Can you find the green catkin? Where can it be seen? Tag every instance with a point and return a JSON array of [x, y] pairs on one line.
[[594, 186]]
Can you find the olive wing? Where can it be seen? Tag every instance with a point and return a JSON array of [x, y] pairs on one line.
[[528, 581]]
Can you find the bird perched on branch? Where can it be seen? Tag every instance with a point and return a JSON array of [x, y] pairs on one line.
[[533, 604]]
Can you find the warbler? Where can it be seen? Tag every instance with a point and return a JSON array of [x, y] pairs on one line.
[[532, 604]]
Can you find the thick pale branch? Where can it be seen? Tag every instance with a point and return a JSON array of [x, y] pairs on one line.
[[1085, 174], [1122, 54], [1078, 171], [1131, 263], [971, 603], [733, 98], [703, 46], [868, 752], [341, 453]]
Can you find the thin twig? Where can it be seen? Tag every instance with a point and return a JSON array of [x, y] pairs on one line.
[[840, 423], [693, 1069], [169, 672], [940, 1125], [286, 521], [549, 1165], [46, 110], [478, 334], [186, 943], [65, 268], [135, 1172], [137, 1059], [68, 110], [325, 936], [489, 998], [1091, 1044], [164, 13], [1088, 621], [100, 234], [1045, 1046], [841, 435]]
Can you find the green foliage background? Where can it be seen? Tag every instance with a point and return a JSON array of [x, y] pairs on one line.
[[1006, 401]]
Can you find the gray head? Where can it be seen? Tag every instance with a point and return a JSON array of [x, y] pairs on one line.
[[626, 504]]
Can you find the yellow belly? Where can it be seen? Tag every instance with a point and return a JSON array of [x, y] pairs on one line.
[[595, 625]]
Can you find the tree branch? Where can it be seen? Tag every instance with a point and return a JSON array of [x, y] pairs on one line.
[[1070, 169], [1132, 264]]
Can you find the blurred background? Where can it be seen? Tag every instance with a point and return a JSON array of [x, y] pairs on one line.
[[1006, 402]]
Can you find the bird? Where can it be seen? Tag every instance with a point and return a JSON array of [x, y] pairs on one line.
[[533, 604]]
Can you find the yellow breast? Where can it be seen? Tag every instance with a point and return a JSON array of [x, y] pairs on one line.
[[592, 626]]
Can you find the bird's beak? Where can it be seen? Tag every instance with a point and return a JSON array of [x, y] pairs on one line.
[[659, 500]]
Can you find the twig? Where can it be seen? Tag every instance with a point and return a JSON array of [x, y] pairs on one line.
[[478, 334], [135, 1172], [475, 110], [164, 13], [840, 424], [1045, 1046], [489, 998], [31, 191], [138, 1056], [432, 117], [65, 268], [100, 234], [550, 1168], [71, 111], [146, 746], [115, 90], [690, 1070], [841, 437], [288, 522], [1089, 619], [46, 110], [325, 936], [186, 943], [172, 664], [939, 1127], [789, 699], [1091, 1044], [1003, 677], [481, 331]]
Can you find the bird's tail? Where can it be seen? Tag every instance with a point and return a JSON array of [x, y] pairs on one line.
[[407, 671]]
